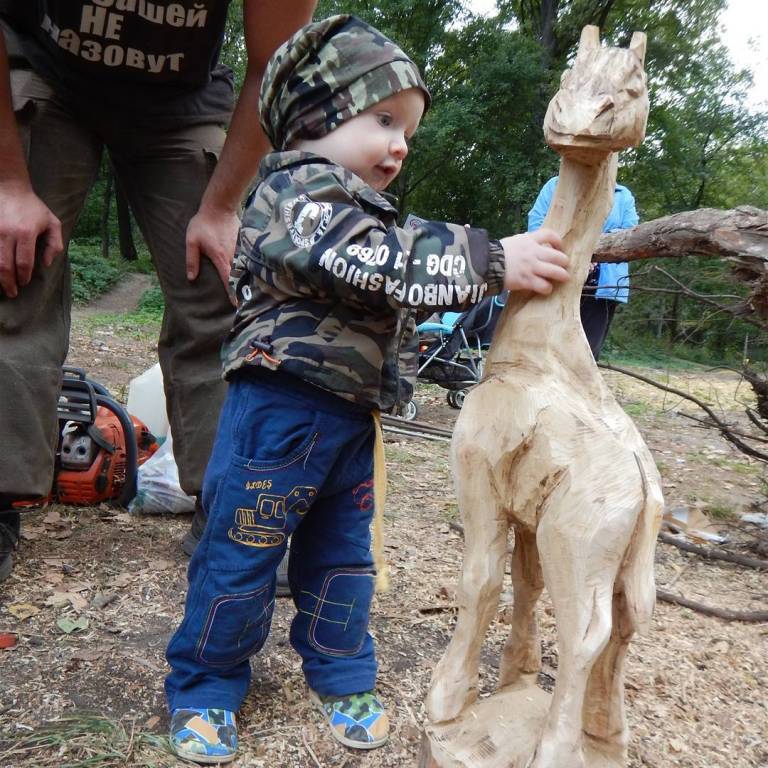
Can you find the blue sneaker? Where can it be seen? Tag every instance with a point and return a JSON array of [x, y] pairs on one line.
[[204, 735], [357, 720]]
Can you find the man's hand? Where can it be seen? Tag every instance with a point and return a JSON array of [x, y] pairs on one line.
[[534, 261], [214, 235], [25, 220]]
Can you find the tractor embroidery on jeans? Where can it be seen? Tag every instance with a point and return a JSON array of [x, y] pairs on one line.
[[264, 525]]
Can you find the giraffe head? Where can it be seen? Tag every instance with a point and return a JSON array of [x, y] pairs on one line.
[[602, 104]]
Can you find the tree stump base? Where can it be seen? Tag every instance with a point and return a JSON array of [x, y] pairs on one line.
[[500, 731]]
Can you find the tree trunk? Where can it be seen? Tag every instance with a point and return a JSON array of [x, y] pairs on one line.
[[105, 209], [124, 228]]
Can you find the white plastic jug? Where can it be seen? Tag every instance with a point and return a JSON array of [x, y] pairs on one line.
[[146, 400]]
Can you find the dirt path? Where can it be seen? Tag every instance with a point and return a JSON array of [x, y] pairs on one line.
[[695, 685], [124, 297]]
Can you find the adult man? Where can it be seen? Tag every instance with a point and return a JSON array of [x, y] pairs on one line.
[[142, 79], [608, 284]]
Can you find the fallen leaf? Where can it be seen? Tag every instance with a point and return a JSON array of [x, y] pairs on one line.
[[58, 600], [121, 580], [23, 611], [72, 625], [8, 640], [52, 518], [152, 722], [103, 599]]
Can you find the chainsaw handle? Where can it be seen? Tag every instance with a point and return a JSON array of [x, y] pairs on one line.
[[131, 452]]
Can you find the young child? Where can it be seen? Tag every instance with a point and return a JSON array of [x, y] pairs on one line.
[[326, 284]]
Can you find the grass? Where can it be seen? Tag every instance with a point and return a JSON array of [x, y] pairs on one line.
[[142, 324], [636, 409], [86, 741], [720, 512]]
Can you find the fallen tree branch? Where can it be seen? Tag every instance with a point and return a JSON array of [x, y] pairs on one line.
[[755, 419], [714, 554], [725, 430], [711, 610], [739, 236], [710, 425]]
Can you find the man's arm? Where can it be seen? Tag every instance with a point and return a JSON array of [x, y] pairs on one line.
[[23, 216], [213, 230]]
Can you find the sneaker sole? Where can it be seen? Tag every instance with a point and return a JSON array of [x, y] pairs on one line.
[[315, 699], [202, 759]]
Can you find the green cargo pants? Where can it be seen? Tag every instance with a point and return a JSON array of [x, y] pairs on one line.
[[164, 173]]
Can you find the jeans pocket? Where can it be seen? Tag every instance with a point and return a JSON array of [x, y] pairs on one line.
[[339, 613], [236, 628]]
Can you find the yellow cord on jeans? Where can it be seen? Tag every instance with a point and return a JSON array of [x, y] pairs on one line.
[[379, 500]]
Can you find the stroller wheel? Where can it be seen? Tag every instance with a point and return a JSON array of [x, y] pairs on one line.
[[460, 394], [410, 410]]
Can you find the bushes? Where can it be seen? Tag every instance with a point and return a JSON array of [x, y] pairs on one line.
[[92, 275]]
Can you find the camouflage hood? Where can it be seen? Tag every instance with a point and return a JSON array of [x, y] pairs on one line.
[[328, 72]]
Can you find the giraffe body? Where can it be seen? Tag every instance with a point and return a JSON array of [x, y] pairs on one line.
[[542, 447]]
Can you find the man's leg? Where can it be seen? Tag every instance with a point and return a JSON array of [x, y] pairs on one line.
[[596, 316], [63, 159], [165, 174]]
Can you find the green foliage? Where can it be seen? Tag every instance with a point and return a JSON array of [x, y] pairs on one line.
[[91, 274], [480, 158], [152, 301], [233, 51]]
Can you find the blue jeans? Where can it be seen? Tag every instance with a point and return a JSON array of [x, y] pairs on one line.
[[289, 458]]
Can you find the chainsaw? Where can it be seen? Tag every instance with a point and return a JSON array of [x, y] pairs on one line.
[[100, 445]]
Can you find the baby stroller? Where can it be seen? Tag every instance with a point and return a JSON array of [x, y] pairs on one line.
[[451, 351]]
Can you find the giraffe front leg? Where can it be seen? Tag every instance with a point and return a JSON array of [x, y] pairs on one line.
[[522, 651], [454, 682]]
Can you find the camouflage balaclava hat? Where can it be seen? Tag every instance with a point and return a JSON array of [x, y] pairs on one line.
[[328, 72]]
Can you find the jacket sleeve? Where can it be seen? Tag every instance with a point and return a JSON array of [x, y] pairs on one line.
[[538, 213], [313, 238], [629, 217]]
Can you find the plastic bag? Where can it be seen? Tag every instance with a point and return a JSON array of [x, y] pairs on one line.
[[157, 486]]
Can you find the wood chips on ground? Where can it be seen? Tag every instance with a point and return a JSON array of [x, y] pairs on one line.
[[696, 686]]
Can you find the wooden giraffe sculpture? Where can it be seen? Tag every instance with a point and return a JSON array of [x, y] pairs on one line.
[[542, 446]]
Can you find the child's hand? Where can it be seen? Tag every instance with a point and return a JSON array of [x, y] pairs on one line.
[[534, 261]]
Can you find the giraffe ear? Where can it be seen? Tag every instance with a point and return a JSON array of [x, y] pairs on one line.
[[637, 46], [590, 38]]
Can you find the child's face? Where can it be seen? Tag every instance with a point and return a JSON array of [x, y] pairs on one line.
[[374, 143]]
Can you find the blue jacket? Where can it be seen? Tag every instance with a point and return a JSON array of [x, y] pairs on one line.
[[622, 216]]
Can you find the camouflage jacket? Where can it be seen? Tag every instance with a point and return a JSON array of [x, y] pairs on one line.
[[325, 278]]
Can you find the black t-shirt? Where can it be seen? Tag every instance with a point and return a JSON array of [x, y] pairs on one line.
[[148, 57]]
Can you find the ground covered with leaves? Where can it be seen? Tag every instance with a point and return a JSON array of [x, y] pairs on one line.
[[97, 592]]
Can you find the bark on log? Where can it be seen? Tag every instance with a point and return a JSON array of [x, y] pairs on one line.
[[739, 236]]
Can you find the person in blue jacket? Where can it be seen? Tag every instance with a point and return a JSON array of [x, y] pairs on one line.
[[607, 284]]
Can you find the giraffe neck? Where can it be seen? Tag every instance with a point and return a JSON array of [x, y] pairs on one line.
[[534, 328]]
